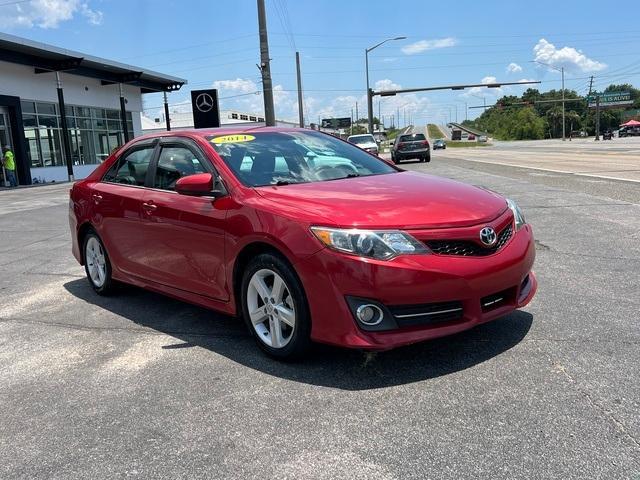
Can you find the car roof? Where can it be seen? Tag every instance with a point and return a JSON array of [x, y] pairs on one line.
[[207, 132]]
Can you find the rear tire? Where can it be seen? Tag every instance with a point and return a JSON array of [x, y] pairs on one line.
[[275, 308], [97, 265]]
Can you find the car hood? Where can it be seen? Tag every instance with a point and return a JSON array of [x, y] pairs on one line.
[[404, 200]]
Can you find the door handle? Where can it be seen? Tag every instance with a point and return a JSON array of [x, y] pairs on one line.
[[96, 198], [149, 207]]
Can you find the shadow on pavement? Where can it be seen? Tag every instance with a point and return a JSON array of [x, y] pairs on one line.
[[325, 366]]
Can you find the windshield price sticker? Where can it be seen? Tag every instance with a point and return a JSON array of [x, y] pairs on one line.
[[233, 139]]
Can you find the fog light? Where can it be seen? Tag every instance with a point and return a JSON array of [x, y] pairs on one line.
[[369, 314]]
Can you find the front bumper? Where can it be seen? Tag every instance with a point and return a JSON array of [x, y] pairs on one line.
[[331, 279]]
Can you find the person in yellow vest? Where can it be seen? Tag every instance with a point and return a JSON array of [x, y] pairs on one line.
[[9, 164]]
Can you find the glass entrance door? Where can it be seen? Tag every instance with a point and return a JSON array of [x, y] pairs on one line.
[[5, 137], [5, 134]]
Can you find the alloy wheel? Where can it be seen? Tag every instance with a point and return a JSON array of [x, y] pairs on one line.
[[96, 262], [271, 308]]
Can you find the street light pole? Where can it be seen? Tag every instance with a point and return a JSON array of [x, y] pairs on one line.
[[369, 92]]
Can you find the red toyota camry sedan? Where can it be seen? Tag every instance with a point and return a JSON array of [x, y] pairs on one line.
[[305, 236]]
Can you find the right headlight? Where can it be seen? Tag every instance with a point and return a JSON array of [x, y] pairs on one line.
[[517, 214], [381, 245]]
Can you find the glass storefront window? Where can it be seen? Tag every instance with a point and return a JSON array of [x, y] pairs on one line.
[[93, 133], [84, 123], [28, 107], [99, 123], [32, 147], [29, 121], [47, 108], [83, 112], [98, 113], [47, 121], [50, 147]]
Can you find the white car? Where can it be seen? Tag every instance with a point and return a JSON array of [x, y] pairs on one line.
[[365, 142]]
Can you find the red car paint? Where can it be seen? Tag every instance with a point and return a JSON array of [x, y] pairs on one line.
[[187, 246]]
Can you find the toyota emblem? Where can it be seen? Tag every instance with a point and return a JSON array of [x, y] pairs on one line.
[[204, 102], [488, 236]]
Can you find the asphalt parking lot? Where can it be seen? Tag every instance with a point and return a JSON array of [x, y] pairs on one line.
[[142, 386]]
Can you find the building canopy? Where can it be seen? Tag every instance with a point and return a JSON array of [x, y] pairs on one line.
[[47, 58]]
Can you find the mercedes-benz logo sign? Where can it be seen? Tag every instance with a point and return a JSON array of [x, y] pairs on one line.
[[488, 236], [204, 102]]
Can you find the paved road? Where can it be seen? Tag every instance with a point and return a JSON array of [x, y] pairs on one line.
[[616, 159], [141, 386]]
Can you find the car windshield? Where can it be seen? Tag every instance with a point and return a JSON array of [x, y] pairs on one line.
[[282, 158], [412, 138], [360, 139]]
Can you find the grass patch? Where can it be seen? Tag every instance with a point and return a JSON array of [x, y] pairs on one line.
[[467, 144], [434, 131]]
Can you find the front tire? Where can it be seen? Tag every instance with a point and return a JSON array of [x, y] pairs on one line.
[[274, 307], [97, 265]]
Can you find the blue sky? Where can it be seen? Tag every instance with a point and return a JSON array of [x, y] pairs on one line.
[[216, 43]]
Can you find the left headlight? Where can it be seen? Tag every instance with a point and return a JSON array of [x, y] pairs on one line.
[[381, 245], [517, 214]]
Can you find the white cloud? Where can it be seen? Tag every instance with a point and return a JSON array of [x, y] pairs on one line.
[[238, 85], [567, 57], [484, 91], [94, 17], [513, 68], [386, 84], [424, 45], [47, 13]]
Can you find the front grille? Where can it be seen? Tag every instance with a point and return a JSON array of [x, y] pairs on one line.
[[467, 248], [426, 314]]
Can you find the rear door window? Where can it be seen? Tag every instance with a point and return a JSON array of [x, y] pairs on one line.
[[131, 168]]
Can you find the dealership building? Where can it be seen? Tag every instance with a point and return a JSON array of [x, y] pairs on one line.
[[62, 112]]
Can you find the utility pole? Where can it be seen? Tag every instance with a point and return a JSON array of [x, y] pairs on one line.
[[265, 69], [597, 118], [466, 111], [379, 117], [352, 121], [589, 94], [564, 137], [167, 121], [300, 110], [357, 118]]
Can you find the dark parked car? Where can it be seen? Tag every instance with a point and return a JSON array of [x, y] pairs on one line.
[[440, 143], [412, 145]]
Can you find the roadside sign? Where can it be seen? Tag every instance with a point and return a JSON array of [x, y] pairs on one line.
[[336, 123], [610, 99]]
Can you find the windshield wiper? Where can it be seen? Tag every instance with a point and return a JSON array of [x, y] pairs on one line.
[[279, 183], [352, 175]]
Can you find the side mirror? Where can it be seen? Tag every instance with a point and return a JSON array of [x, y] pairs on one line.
[[200, 185]]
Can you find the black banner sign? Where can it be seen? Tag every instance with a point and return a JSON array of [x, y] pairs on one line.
[[206, 113]]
